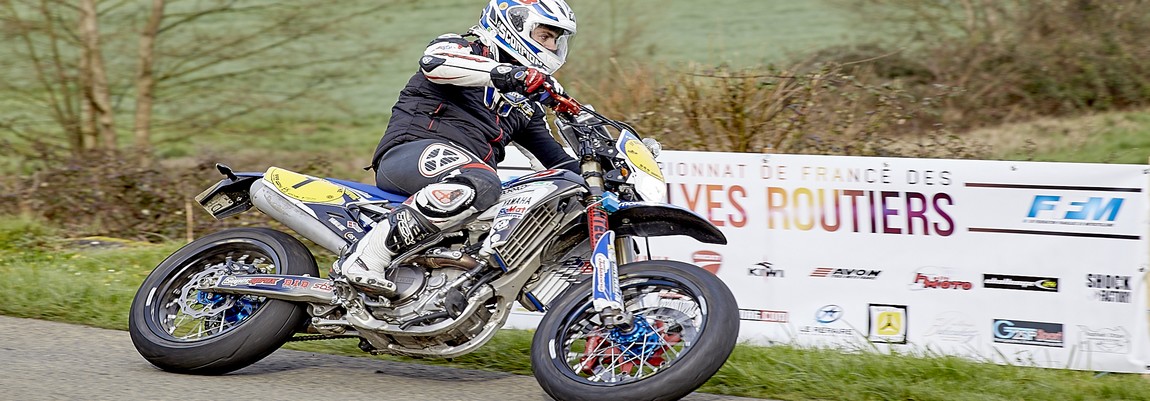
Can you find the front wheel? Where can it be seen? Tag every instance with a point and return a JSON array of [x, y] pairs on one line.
[[686, 325], [179, 328]]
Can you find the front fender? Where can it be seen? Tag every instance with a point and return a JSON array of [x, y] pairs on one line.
[[655, 219]]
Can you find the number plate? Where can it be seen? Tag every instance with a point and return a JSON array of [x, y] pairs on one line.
[[218, 202]]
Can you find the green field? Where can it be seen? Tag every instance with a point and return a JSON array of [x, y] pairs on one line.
[[675, 33]]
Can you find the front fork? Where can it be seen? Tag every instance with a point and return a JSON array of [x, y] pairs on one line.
[[608, 253]]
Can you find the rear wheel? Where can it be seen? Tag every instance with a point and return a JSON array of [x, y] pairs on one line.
[[179, 328], [686, 325]]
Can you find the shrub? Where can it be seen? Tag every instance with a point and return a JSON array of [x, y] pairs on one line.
[[109, 194], [1016, 60], [822, 108]]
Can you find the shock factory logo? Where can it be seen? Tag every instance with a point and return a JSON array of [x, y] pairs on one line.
[[1025, 283], [760, 315], [1109, 288], [1027, 333], [832, 272], [887, 324]]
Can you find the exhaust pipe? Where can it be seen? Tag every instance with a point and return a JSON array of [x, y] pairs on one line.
[[275, 204]]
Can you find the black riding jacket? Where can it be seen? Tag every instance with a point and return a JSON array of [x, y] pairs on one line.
[[460, 114]]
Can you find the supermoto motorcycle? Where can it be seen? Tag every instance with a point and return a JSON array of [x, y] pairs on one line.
[[556, 242]]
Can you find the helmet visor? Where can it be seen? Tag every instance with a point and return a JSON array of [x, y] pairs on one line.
[[545, 37]]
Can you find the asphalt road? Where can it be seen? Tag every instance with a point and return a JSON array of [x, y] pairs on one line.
[[42, 360]]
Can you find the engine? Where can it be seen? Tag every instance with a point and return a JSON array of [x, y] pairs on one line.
[[423, 285]]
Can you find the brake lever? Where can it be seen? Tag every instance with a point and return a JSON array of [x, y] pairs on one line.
[[563, 104]]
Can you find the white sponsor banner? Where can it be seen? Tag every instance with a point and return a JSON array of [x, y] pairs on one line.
[[1009, 262]]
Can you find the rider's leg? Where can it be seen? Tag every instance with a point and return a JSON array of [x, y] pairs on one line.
[[462, 189]]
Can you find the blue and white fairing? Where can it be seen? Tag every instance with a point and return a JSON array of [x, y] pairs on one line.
[[520, 195]]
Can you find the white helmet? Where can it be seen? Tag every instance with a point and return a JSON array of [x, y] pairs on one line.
[[507, 24]]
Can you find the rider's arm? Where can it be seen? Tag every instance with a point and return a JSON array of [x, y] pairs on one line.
[[448, 60], [537, 139]]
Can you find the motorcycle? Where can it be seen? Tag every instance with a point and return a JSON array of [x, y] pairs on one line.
[[557, 242]]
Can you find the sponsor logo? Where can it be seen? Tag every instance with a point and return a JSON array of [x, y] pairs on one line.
[[501, 224], [941, 278], [709, 260], [577, 264], [603, 265], [952, 327], [1109, 288], [520, 200], [519, 47], [829, 314], [1027, 333], [437, 159], [887, 323], [296, 283], [764, 269], [1093, 211], [322, 286], [864, 274], [408, 228], [354, 226], [1110, 340], [513, 211], [335, 223], [825, 317], [759, 315], [264, 280], [1027, 283], [233, 281]]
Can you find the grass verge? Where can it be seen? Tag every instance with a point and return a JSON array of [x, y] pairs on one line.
[[44, 277]]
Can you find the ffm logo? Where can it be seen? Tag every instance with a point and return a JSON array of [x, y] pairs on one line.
[[1053, 207]]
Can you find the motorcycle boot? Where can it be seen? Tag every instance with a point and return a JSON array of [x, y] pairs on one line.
[[436, 207]]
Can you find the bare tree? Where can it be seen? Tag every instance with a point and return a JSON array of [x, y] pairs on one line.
[[194, 65], [94, 76], [146, 83]]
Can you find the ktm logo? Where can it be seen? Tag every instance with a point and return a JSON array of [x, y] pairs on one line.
[[709, 260]]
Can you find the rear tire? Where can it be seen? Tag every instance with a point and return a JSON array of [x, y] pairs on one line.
[[180, 329], [691, 326]]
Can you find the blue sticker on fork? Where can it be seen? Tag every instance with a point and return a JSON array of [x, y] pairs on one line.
[[605, 280]]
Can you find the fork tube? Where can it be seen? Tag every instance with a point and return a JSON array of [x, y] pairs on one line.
[[624, 249], [605, 294]]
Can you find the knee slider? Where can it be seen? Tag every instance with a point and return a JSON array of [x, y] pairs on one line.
[[444, 199]]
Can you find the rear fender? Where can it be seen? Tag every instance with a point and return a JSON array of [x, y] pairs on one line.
[[229, 196]]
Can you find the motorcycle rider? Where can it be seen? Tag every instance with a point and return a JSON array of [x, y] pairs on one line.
[[449, 128]]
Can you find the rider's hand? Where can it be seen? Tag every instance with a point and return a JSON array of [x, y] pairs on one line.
[[528, 81]]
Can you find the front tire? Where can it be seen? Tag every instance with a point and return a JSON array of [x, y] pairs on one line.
[[180, 329], [687, 324]]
